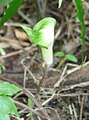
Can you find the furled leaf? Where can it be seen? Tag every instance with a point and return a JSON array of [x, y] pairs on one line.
[[10, 11], [7, 88], [71, 58], [80, 16], [4, 116], [7, 105], [44, 23], [59, 3], [59, 54], [5, 2]]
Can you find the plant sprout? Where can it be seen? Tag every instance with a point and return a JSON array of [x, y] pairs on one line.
[[65, 57], [42, 34], [68, 56]]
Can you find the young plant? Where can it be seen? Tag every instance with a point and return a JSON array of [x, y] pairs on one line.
[[67, 56], [42, 34], [7, 106]]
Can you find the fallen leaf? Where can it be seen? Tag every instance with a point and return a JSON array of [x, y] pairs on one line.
[[21, 35]]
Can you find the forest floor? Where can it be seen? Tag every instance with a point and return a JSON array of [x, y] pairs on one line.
[[64, 94]]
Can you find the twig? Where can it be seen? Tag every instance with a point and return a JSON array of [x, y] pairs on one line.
[[70, 87], [25, 17], [26, 107], [61, 78], [25, 78], [26, 69], [32, 48], [55, 112], [81, 108], [71, 94], [69, 72], [48, 100], [75, 113], [15, 24]]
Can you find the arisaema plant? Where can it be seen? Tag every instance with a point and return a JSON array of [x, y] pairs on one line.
[[42, 34]]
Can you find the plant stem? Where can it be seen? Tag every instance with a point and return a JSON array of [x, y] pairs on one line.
[[45, 71]]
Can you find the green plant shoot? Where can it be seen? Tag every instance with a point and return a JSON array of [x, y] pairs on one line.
[[80, 16], [68, 56], [42, 34]]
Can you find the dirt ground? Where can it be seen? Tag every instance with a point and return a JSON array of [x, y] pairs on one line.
[[64, 94]]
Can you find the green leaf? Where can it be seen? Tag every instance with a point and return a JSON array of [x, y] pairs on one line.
[[59, 54], [5, 2], [11, 10], [59, 3], [7, 105], [7, 88], [30, 102], [2, 67], [71, 58], [4, 116], [80, 16], [2, 51], [34, 37]]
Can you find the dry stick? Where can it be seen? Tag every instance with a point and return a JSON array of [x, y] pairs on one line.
[[29, 94], [25, 17], [81, 108], [70, 87], [16, 24], [26, 69], [43, 111], [18, 52], [48, 100], [71, 94], [26, 107]]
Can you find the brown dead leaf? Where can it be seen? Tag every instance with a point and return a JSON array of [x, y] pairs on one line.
[[21, 35]]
